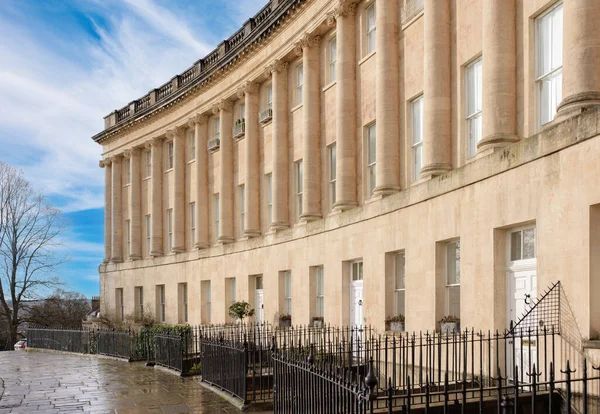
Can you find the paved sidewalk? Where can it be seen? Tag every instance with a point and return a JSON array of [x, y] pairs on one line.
[[34, 382]]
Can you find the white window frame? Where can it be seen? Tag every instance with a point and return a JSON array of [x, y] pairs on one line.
[[120, 304], [299, 187], [242, 208], [217, 127], [217, 218], [269, 96], [148, 163], [320, 291], [127, 171], [371, 29], [139, 290], [128, 236], [357, 270], [332, 153], [454, 245], [242, 111], [232, 291], [193, 221], [184, 299], [521, 260], [287, 292], [399, 283], [169, 155], [332, 50], [192, 143], [208, 302], [170, 229], [299, 83], [416, 106], [551, 78], [473, 104], [148, 233], [371, 138], [269, 185], [161, 303]]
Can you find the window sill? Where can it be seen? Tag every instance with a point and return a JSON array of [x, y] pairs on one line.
[[295, 108], [412, 20], [126, 185], [169, 170], [329, 85], [146, 178], [367, 57], [265, 123], [191, 161]]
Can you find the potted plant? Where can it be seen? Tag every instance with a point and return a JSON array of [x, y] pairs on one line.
[[450, 324], [317, 321], [240, 310], [285, 320], [395, 323]]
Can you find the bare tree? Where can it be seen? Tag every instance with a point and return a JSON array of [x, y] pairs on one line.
[[29, 245], [62, 308]]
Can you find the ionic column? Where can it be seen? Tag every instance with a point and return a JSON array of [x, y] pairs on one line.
[[581, 56], [437, 145], [279, 71], [156, 213], [386, 99], [106, 164], [499, 75], [252, 160], [200, 125], [134, 203], [345, 110], [223, 108], [117, 210], [178, 137], [308, 48]]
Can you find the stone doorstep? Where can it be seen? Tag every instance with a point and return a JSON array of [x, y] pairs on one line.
[[591, 344]]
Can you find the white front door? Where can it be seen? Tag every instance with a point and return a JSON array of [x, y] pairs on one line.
[[259, 305], [356, 294], [522, 291]]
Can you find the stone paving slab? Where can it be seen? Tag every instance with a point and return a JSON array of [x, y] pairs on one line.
[[34, 382]]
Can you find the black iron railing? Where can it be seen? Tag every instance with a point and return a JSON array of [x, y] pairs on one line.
[[66, 340], [225, 365], [114, 343]]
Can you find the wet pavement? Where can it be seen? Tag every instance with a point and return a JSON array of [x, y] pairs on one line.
[[35, 382]]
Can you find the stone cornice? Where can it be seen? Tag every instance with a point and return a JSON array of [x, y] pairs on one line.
[[231, 54]]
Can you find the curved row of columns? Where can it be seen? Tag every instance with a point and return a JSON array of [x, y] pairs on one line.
[[581, 89]]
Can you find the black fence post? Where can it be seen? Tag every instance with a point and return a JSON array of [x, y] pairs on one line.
[[568, 372]]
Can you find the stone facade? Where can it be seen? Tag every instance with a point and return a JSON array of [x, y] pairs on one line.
[[223, 186]]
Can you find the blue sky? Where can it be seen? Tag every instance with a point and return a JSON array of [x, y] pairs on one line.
[[64, 65]]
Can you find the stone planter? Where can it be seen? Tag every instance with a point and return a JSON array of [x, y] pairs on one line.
[[285, 323], [450, 327], [397, 326]]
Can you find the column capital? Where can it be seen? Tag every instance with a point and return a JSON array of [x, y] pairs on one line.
[[277, 66], [222, 105], [345, 8], [247, 89], [197, 119], [178, 131], [153, 142], [133, 151], [305, 42], [105, 162]]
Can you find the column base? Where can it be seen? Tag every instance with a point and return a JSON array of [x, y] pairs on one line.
[[385, 190], [135, 257], [249, 234], [177, 249], [279, 225], [576, 104], [433, 170], [343, 205], [498, 140], [116, 260], [156, 253], [310, 216], [225, 240], [202, 245]]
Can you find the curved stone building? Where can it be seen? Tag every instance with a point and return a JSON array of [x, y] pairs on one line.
[[357, 160]]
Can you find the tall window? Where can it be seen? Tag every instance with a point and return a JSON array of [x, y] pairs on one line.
[[371, 28], [120, 304], [148, 163], [128, 236], [417, 136], [320, 292], [127, 167], [269, 184], [332, 58], [399, 285], [148, 233], [287, 292], [183, 292], [217, 127], [161, 311], [522, 244], [139, 302], [170, 155], [453, 278], [299, 83], [549, 54], [216, 216], [208, 297], [371, 158], [170, 228], [269, 95], [192, 145], [232, 291], [299, 174], [473, 85], [242, 111], [242, 208], [193, 222], [332, 173]]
